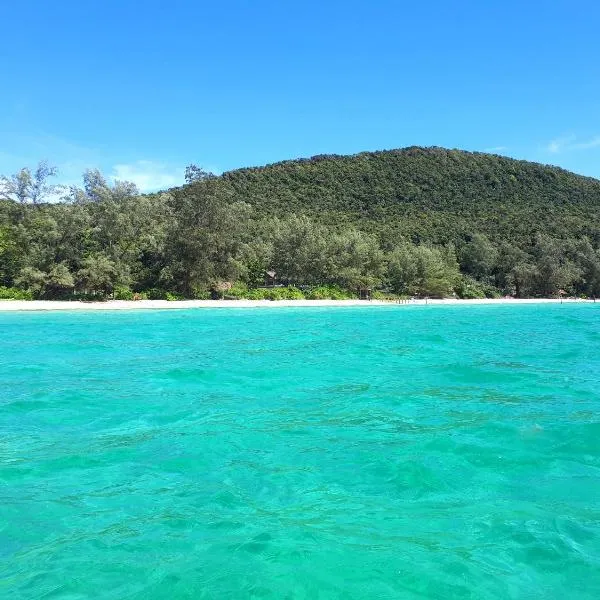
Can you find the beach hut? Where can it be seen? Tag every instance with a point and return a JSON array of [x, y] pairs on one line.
[[364, 293], [219, 289], [270, 278]]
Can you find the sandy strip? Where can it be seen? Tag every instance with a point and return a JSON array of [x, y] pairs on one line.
[[37, 305]]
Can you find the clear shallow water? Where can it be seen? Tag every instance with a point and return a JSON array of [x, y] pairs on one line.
[[401, 452]]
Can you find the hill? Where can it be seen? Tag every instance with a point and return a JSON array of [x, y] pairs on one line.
[[424, 221], [426, 194]]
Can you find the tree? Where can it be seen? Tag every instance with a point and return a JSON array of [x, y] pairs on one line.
[[195, 173], [128, 228], [97, 189], [555, 271], [356, 260], [300, 250], [523, 278], [422, 271], [98, 274], [59, 280], [507, 279], [32, 279], [205, 239], [588, 261], [11, 255], [479, 257], [255, 260], [26, 186]]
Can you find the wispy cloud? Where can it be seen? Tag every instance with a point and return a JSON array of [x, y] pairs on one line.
[[571, 142], [560, 144], [148, 176], [592, 143]]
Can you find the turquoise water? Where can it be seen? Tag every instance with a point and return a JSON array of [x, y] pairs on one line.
[[355, 453]]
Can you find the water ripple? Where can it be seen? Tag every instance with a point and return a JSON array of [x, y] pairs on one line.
[[404, 452]]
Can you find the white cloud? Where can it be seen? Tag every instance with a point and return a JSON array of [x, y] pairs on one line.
[[148, 176], [559, 144], [592, 143], [496, 149], [571, 142]]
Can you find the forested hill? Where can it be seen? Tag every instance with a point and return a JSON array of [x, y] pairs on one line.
[[426, 194], [418, 221]]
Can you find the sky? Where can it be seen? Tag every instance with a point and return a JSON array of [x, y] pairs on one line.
[[142, 89]]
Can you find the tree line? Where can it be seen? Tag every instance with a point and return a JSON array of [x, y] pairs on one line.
[[320, 226]]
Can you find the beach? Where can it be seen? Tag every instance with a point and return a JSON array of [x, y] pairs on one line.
[[54, 305]]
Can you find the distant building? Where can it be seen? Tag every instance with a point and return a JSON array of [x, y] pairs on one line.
[[270, 277]]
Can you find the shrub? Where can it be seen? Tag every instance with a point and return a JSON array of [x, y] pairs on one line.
[[470, 289], [156, 294], [201, 293], [122, 292], [173, 297], [277, 293], [292, 293], [238, 290], [256, 294], [89, 297], [7, 293], [284, 293], [329, 292]]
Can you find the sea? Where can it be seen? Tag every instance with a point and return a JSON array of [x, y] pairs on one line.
[[387, 452]]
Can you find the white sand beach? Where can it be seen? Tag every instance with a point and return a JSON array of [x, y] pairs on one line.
[[53, 305]]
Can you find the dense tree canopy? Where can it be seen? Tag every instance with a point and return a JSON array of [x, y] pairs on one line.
[[418, 221]]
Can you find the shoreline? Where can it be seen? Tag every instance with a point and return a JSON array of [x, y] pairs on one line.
[[58, 305]]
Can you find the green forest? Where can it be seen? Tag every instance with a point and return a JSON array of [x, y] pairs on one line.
[[410, 222]]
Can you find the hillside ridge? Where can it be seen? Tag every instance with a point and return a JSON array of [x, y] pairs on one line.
[[412, 221], [428, 194], [402, 150]]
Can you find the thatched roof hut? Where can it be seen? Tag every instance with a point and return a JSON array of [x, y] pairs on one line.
[[220, 287]]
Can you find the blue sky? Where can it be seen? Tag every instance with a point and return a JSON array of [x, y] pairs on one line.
[[141, 89]]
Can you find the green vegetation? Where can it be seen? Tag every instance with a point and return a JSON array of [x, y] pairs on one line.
[[418, 221], [14, 294]]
